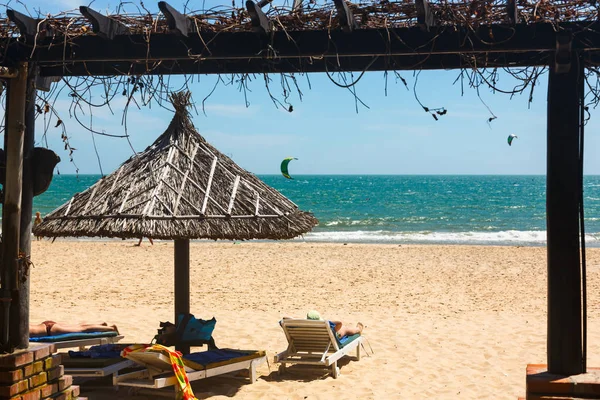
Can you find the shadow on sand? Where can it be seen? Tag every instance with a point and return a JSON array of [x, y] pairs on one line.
[[102, 389], [225, 385], [304, 373]]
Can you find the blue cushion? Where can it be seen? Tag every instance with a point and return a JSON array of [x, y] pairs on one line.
[[208, 357], [347, 339], [71, 336], [344, 340]]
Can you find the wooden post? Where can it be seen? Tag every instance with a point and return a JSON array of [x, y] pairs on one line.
[[562, 214], [182, 283], [512, 13], [19, 309], [11, 211]]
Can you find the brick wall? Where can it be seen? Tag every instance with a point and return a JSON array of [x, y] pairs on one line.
[[35, 374]]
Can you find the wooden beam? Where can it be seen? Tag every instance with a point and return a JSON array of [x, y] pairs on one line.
[[424, 15], [209, 184], [184, 179], [7, 73], [291, 65], [178, 22], [182, 284], [229, 46], [309, 51], [346, 18], [512, 13], [236, 183], [19, 310], [29, 26], [103, 26], [562, 60], [565, 94], [260, 22], [11, 210]]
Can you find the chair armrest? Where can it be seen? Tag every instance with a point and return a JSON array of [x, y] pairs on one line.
[[281, 356]]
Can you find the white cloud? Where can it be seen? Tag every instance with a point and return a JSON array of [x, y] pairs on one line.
[[226, 110]]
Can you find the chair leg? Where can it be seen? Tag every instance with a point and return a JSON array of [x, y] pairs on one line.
[[252, 372], [358, 352], [335, 371], [281, 369]]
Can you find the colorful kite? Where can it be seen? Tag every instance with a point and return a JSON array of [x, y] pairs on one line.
[[284, 167]]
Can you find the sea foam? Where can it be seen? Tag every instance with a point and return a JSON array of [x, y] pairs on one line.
[[507, 238]]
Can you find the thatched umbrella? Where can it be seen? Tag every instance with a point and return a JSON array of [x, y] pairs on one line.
[[179, 188]]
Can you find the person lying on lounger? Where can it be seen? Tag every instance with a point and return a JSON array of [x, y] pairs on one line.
[[340, 328], [51, 328]]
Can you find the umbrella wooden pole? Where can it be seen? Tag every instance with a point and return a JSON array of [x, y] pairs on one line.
[[182, 283]]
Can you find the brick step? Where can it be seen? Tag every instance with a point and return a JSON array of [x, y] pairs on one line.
[[543, 385], [550, 397]]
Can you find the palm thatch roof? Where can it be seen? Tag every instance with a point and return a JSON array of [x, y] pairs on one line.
[[180, 187]]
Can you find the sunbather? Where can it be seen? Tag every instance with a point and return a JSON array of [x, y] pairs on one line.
[[347, 330], [140, 242], [50, 328], [340, 328]]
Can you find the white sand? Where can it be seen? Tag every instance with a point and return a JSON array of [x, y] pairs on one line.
[[443, 322]]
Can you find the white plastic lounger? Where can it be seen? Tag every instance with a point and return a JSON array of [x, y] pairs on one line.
[[98, 366], [99, 371], [158, 371], [313, 342], [83, 343]]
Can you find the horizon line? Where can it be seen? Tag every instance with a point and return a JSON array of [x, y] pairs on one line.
[[363, 174]]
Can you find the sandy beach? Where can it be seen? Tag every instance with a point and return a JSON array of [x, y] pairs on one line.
[[441, 321]]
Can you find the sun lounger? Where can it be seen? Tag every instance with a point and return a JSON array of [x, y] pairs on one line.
[[95, 368], [97, 361], [314, 342], [158, 371], [80, 339]]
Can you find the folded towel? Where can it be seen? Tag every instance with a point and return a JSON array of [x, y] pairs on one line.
[[176, 363], [99, 351]]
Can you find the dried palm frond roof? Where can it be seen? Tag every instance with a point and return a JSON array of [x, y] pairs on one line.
[[180, 187], [321, 15]]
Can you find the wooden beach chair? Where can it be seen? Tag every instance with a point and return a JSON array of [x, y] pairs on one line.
[[158, 371], [314, 342]]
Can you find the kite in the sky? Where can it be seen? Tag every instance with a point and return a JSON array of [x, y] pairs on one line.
[[511, 137], [284, 167]]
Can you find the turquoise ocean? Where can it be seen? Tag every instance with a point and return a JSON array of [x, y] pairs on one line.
[[424, 209]]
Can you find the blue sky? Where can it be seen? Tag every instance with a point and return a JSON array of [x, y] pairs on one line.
[[394, 136]]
